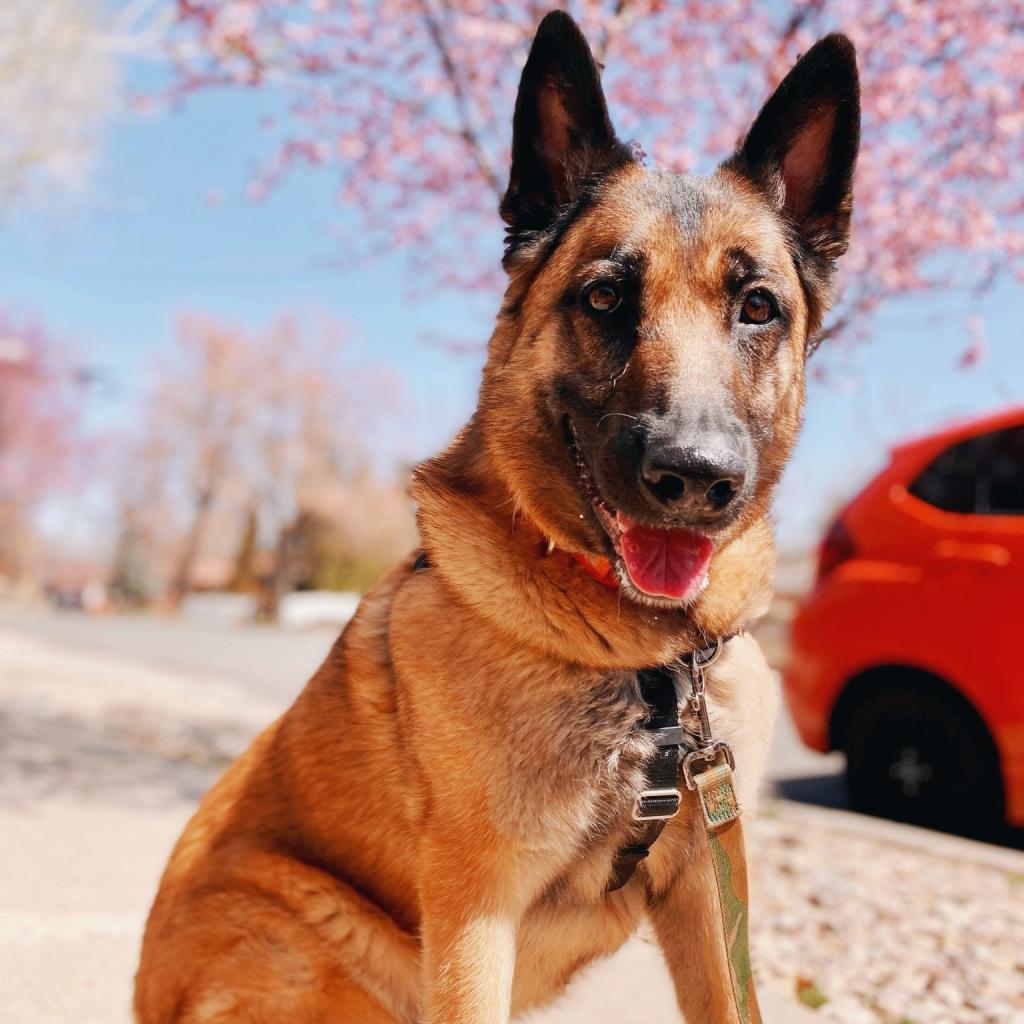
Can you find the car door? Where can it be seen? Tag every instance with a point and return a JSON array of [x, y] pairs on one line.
[[974, 573], [987, 540]]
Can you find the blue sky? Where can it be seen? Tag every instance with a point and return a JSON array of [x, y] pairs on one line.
[[146, 244]]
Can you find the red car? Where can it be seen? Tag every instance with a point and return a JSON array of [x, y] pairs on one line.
[[909, 654]]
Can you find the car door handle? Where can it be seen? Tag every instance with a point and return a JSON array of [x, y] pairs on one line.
[[987, 554]]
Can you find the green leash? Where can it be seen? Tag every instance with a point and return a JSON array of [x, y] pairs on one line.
[[721, 814], [708, 770]]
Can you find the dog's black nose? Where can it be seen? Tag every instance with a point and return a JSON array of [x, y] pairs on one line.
[[701, 480]]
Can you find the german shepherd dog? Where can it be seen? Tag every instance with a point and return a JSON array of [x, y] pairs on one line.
[[427, 834]]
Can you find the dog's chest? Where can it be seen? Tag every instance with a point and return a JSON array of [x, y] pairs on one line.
[[570, 767]]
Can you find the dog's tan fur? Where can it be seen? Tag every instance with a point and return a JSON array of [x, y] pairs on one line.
[[427, 833]]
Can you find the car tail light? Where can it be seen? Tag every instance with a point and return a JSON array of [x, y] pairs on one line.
[[836, 548]]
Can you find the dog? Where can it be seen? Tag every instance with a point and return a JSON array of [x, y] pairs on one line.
[[428, 833]]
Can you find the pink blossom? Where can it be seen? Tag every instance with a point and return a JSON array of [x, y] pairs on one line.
[[977, 348], [39, 410], [409, 105]]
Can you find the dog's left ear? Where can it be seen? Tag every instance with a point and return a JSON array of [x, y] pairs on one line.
[[802, 148], [561, 133]]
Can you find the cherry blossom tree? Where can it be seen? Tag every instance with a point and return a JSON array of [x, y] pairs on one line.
[[408, 103], [40, 407]]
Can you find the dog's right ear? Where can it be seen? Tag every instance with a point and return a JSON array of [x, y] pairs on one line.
[[561, 133]]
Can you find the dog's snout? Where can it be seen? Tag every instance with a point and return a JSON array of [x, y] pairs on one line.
[[700, 479]]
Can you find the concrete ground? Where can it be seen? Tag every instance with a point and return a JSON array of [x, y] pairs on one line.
[[109, 732], [104, 749], [273, 664], [76, 886]]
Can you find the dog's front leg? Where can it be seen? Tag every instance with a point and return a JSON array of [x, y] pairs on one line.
[[687, 921], [473, 893]]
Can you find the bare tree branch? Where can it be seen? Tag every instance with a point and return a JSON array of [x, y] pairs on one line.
[[468, 129]]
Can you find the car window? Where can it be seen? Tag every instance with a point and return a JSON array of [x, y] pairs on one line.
[[1006, 474], [952, 480], [982, 475]]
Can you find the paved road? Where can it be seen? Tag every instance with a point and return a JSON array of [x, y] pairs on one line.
[[275, 664], [93, 793], [110, 730]]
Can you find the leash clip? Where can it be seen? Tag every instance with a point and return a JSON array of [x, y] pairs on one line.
[[706, 756], [697, 666], [707, 656], [709, 750]]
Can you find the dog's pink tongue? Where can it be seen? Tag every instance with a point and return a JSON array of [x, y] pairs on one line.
[[664, 563]]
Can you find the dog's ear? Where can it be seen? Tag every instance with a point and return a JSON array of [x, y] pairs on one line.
[[803, 146], [561, 133]]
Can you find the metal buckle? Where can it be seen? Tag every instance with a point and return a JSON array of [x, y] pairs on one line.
[[667, 735], [656, 794], [708, 756], [697, 659]]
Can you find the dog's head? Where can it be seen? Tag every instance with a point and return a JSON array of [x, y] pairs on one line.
[[645, 384]]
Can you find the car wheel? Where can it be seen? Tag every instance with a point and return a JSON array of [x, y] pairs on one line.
[[919, 757]]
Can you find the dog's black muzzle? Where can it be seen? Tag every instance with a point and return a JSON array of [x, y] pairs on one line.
[[690, 470]]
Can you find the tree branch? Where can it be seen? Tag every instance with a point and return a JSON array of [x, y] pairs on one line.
[[615, 23], [468, 129]]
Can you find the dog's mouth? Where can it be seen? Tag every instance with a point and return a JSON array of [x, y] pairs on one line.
[[659, 562]]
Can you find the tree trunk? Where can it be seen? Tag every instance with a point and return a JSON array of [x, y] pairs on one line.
[[182, 576]]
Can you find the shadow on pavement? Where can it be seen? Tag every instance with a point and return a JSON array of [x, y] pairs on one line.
[[829, 790], [116, 758], [822, 790]]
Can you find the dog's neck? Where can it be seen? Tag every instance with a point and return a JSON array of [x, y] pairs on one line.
[[500, 564]]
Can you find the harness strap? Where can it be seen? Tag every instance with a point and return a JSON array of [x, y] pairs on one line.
[[661, 799], [707, 767]]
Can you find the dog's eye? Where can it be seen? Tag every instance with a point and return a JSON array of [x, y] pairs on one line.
[[603, 297], [758, 307]]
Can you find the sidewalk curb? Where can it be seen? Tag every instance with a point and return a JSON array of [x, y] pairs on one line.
[[921, 840]]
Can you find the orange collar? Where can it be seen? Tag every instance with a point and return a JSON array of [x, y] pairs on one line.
[[599, 568]]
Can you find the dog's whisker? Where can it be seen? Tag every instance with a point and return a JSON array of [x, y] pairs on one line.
[[624, 415], [620, 375]]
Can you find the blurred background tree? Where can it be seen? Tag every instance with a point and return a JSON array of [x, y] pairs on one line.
[[250, 468], [409, 105], [244, 457], [39, 414], [58, 86]]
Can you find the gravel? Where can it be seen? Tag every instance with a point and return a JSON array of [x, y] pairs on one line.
[[878, 932]]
